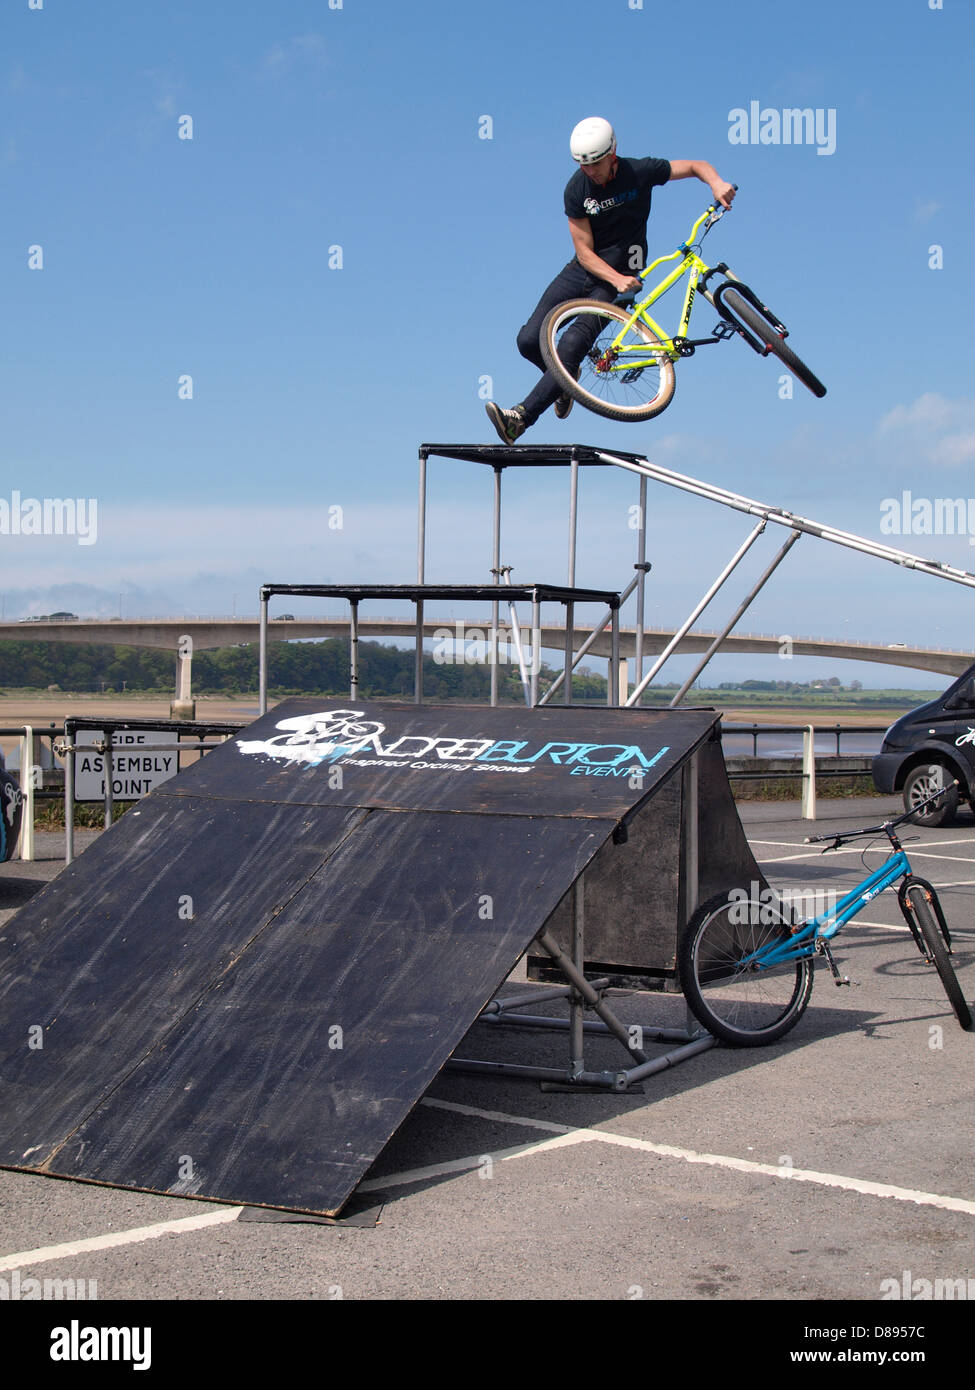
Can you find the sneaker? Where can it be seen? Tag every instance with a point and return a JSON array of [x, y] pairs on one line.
[[510, 424]]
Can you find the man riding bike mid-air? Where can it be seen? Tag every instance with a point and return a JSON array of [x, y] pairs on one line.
[[607, 202]]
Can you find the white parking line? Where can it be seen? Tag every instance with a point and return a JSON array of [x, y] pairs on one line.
[[472, 1161], [740, 1165], [926, 854], [562, 1136], [109, 1242]]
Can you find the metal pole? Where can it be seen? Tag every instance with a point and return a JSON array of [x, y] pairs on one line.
[[691, 843], [617, 665], [418, 665], [577, 1060], [108, 759], [590, 995], [567, 664], [641, 569], [516, 640], [27, 790], [496, 571], [784, 518], [68, 796], [422, 521], [589, 641], [674, 642], [262, 657], [745, 603], [573, 515], [536, 647], [354, 648], [809, 772]]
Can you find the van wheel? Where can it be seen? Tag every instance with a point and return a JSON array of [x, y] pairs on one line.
[[923, 782]]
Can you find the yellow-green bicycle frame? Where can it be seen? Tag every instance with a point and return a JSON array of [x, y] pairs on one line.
[[631, 355]]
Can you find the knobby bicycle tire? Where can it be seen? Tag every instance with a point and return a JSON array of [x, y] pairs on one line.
[[762, 329], [931, 932], [742, 1006], [599, 386]]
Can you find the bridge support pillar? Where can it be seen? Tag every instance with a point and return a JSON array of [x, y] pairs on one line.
[[184, 706]]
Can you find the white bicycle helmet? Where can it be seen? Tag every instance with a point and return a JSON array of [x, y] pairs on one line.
[[592, 140]]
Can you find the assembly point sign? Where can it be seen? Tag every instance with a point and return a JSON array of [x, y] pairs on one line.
[[136, 770]]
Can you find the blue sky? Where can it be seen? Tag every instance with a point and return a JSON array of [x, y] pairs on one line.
[[358, 126]]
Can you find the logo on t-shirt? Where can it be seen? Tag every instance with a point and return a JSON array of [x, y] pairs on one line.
[[593, 207]]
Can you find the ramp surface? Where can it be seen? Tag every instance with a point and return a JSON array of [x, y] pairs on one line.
[[240, 992]]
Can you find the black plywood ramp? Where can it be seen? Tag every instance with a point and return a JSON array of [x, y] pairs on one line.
[[244, 987]]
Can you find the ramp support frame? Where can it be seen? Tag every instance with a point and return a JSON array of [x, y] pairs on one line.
[[583, 994]]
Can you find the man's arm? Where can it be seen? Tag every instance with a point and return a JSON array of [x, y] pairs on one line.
[[701, 169], [582, 240]]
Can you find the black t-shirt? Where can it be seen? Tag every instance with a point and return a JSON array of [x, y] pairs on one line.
[[618, 211]]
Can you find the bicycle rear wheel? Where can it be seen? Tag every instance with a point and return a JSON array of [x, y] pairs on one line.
[[917, 898], [739, 1003], [629, 379], [763, 330]]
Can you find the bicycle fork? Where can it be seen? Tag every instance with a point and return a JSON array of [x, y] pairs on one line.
[[910, 914]]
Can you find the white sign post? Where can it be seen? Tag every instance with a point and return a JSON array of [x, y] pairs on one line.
[[135, 771]]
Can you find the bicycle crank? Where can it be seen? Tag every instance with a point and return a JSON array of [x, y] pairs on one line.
[[822, 946]]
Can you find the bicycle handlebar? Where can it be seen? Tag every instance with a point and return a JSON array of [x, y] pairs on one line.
[[888, 825], [627, 298]]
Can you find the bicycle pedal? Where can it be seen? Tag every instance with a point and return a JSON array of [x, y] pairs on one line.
[[823, 948]]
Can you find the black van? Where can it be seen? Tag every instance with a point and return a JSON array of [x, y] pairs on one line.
[[929, 748]]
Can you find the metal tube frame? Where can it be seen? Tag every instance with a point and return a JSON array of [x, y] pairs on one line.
[[262, 657], [497, 569], [27, 792], [582, 994], [354, 649], [781, 517], [611, 614], [516, 639], [733, 620], [696, 612], [496, 606]]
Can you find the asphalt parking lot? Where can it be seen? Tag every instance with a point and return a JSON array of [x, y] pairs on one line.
[[833, 1165]]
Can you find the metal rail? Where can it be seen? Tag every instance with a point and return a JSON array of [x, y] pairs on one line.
[[635, 463]]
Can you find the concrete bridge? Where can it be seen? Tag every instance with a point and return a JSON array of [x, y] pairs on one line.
[[211, 632]]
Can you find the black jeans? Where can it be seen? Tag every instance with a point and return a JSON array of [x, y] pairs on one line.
[[572, 282]]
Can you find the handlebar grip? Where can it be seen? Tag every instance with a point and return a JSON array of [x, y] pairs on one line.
[[627, 298]]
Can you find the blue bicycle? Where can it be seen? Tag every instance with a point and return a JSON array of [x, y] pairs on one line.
[[747, 972]]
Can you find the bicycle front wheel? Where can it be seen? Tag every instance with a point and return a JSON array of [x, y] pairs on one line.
[[622, 375], [917, 897], [764, 331], [740, 1003]]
